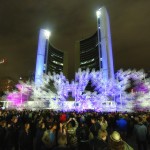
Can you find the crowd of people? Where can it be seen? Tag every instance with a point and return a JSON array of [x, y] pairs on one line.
[[56, 130]]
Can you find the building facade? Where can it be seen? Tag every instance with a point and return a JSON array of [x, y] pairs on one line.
[[55, 60], [88, 53], [95, 52], [49, 59]]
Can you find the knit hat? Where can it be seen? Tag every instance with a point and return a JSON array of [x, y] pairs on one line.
[[115, 136], [62, 118]]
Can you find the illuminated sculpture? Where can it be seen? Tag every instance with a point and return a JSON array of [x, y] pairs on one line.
[[108, 95]]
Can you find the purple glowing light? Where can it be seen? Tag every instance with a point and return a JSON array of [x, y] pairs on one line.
[[108, 95], [141, 87]]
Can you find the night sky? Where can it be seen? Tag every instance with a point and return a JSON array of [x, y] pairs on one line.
[[69, 21]]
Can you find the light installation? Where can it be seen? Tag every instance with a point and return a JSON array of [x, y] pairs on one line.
[[108, 95], [19, 96]]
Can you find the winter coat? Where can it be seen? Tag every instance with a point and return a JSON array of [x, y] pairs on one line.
[[140, 131]]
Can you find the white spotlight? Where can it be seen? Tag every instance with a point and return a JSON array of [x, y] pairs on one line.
[[47, 34], [98, 13]]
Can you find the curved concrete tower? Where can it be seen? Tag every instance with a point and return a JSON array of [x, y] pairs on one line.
[[41, 55], [104, 44]]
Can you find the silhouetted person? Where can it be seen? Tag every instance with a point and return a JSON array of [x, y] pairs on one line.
[[26, 138], [140, 132]]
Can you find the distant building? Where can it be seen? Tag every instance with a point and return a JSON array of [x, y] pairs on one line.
[[95, 52], [7, 85]]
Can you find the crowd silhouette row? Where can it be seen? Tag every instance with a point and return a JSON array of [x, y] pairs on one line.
[[90, 130]]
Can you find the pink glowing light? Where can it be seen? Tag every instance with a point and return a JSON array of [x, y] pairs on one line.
[[19, 97]]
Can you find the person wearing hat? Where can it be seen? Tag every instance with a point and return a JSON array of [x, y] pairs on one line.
[[116, 143]]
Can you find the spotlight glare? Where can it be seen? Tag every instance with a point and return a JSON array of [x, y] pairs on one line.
[[98, 13], [47, 34]]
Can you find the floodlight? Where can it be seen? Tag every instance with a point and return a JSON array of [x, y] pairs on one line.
[[47, 34], [98, 13]]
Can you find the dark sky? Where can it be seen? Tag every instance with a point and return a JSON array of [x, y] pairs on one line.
[[69, 21]]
